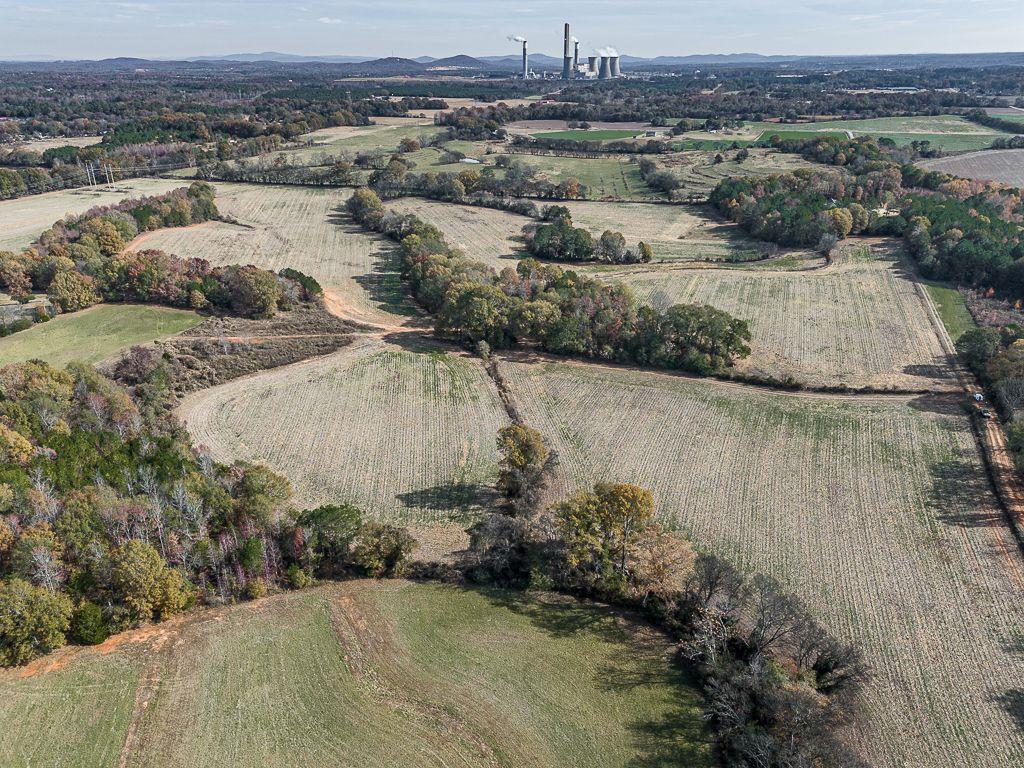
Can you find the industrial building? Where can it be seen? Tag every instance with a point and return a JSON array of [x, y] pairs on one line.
[[605, 64]]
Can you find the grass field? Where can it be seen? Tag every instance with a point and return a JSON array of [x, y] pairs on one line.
[[606, 135], [407, 435], [951, 308], [951, 132], [1003, 165], [611, 177], [94, 334], [384, 136], [486, 234], [875, 510], [699, 173], [304, 228], [860, 322], [23, 219], [41, 145], [675, 232], [362, 675]]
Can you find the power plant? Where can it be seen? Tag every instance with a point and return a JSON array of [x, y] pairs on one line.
[[605, 64]]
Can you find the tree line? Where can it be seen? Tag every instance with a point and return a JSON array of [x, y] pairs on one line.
[[779, 688], [559, 311], [110, 517]]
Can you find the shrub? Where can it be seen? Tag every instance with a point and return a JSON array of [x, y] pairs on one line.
[[88, 627], [33, 621], [380, 549]]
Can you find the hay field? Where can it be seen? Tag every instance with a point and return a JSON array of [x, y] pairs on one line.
[[359, 675], [301, 227], [23, 219], [699, 173], [94, 334], [1003, 165], [384, 136], [675, 232], [612, 177], [405, 435], [41, 145], [876, 511], [951, 132], [486, 234], [861, 322]]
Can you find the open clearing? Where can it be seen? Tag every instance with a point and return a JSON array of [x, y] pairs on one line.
[[486, 234], [861, 322], [613, 177], [675, 232], [1003, 165], [875, 510], [41, 145], [301, 227], [699, 172], [405, 435], [384, 136], [361, 675], [94, 334], [23, 219], [951, 132]]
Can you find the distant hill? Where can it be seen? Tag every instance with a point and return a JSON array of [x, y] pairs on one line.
[[284, 58]]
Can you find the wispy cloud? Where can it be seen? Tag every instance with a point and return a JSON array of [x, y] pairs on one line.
[[329, 20]]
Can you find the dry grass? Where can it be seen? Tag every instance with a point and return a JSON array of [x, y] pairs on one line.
[[675, 232], [406, 435], [1003, 165], [303, 228], [875, 510], [41, 145], [699, 173], [861, 322], [22, 220], [486, 234]]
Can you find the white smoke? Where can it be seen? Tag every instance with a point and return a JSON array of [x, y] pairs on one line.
[[575, 39], [605, 52], [517, 38]]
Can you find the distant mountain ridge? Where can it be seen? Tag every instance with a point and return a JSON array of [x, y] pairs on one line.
[[346, 65]]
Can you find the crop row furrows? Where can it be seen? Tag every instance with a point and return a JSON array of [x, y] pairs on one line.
[[400, 434], [292, 227], [858, 325], [857, 507]]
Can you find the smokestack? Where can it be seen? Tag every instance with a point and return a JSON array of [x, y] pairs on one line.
[[567, 54], [526, 62], [576, 58], [592, 64], [615, 67], [606, 68]]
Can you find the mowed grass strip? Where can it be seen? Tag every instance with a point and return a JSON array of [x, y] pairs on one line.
[[876, 511], [364, 674], [605, 178], [94, 334], [406, 435]]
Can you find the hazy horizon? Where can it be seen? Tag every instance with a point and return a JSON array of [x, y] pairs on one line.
[[176, 29]]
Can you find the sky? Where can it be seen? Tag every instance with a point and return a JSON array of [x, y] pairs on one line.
[[92, 29]]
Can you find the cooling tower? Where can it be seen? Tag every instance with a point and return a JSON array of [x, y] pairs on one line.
[[567, 55], [592, 64], [606, 68], [615, 66]]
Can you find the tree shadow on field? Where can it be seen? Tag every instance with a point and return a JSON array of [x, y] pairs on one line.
[[451, 497], [676, 737], [1012, 701], [957, 486], [942, 404], [384, 282], [938, 370]]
